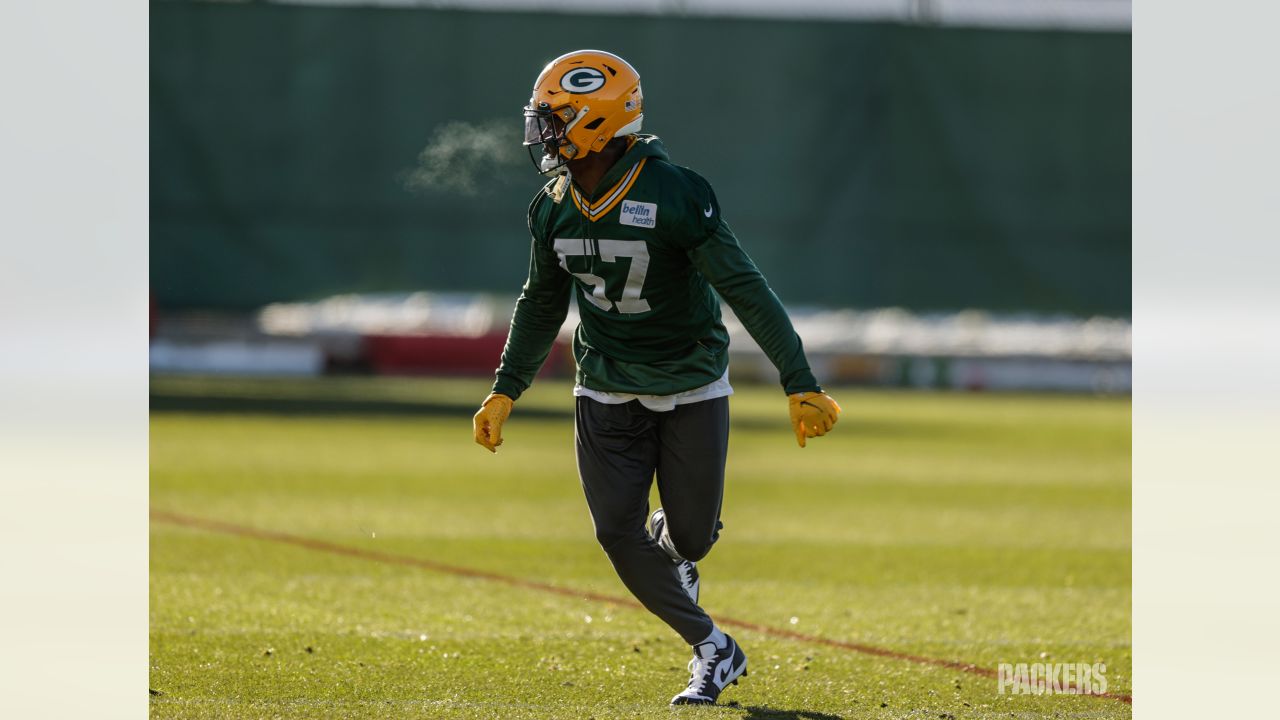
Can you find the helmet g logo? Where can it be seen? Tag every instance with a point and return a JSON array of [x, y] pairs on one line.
[[582, 80]]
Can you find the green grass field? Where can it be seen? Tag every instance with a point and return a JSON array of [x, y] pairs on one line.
[[972, 528]]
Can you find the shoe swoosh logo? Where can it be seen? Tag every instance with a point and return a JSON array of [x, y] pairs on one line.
[[722, 672]]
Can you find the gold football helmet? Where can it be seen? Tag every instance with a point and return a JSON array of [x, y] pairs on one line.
[[580, 102]]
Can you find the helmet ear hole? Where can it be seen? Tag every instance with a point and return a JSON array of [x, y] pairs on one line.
[[594, 123]]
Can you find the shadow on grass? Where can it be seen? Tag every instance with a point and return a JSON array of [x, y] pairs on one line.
[[292, 406], [322, 405], [346, 406], [755, 712], [301, 406]]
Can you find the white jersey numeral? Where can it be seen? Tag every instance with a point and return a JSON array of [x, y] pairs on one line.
[[610, 251]]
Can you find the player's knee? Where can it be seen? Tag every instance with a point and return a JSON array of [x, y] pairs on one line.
[[691, 546]]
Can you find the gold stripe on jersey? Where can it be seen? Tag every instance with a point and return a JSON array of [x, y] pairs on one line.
[[597, 210]]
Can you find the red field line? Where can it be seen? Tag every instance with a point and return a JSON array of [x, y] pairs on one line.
[[227, 528]]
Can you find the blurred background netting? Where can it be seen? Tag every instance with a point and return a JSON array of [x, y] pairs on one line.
[[938, 190]]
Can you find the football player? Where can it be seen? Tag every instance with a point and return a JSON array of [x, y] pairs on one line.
[[641, 244]]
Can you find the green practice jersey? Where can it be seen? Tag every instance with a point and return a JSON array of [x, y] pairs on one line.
[[642, 257]]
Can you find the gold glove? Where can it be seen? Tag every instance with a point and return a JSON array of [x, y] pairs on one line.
[[487, 424], [812, 414]]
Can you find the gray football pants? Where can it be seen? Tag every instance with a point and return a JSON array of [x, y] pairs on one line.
[[620, 447]]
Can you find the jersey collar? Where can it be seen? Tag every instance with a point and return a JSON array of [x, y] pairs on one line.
[[619, 179], [611, 197]]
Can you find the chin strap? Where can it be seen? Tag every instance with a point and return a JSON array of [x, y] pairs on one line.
[[558, 190]]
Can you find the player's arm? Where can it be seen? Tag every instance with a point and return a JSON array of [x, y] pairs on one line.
[[733, 274], [539, 313], [736, 278]]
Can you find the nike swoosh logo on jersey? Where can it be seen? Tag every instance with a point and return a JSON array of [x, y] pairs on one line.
[[708, 211]]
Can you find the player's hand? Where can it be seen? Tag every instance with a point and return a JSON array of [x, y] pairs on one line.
[[812, 414], [487, 424]]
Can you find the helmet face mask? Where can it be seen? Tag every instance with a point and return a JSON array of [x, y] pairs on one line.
[[546, 136], [581, 101]]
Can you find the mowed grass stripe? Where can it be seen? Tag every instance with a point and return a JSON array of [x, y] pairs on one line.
[[227, 528]]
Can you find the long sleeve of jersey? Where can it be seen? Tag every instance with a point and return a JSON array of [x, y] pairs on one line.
[[539, 313], [729, 269]]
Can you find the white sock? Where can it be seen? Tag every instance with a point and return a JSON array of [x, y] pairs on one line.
[[716, 637]]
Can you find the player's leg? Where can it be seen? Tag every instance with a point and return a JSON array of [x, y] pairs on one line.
[[687, 571], [617, 447], [693, 444]]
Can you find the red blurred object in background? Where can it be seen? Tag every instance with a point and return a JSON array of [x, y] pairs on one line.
[[444, 354]]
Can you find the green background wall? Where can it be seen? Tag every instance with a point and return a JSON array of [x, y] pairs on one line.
[[861, 164]]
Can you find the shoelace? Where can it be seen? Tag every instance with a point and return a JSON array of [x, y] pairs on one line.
[[700, 670]]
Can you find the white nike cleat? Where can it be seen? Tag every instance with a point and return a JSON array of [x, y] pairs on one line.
[[712, 669], [686, 570]]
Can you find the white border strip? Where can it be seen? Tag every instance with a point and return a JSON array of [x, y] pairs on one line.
[[1088, 15]]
